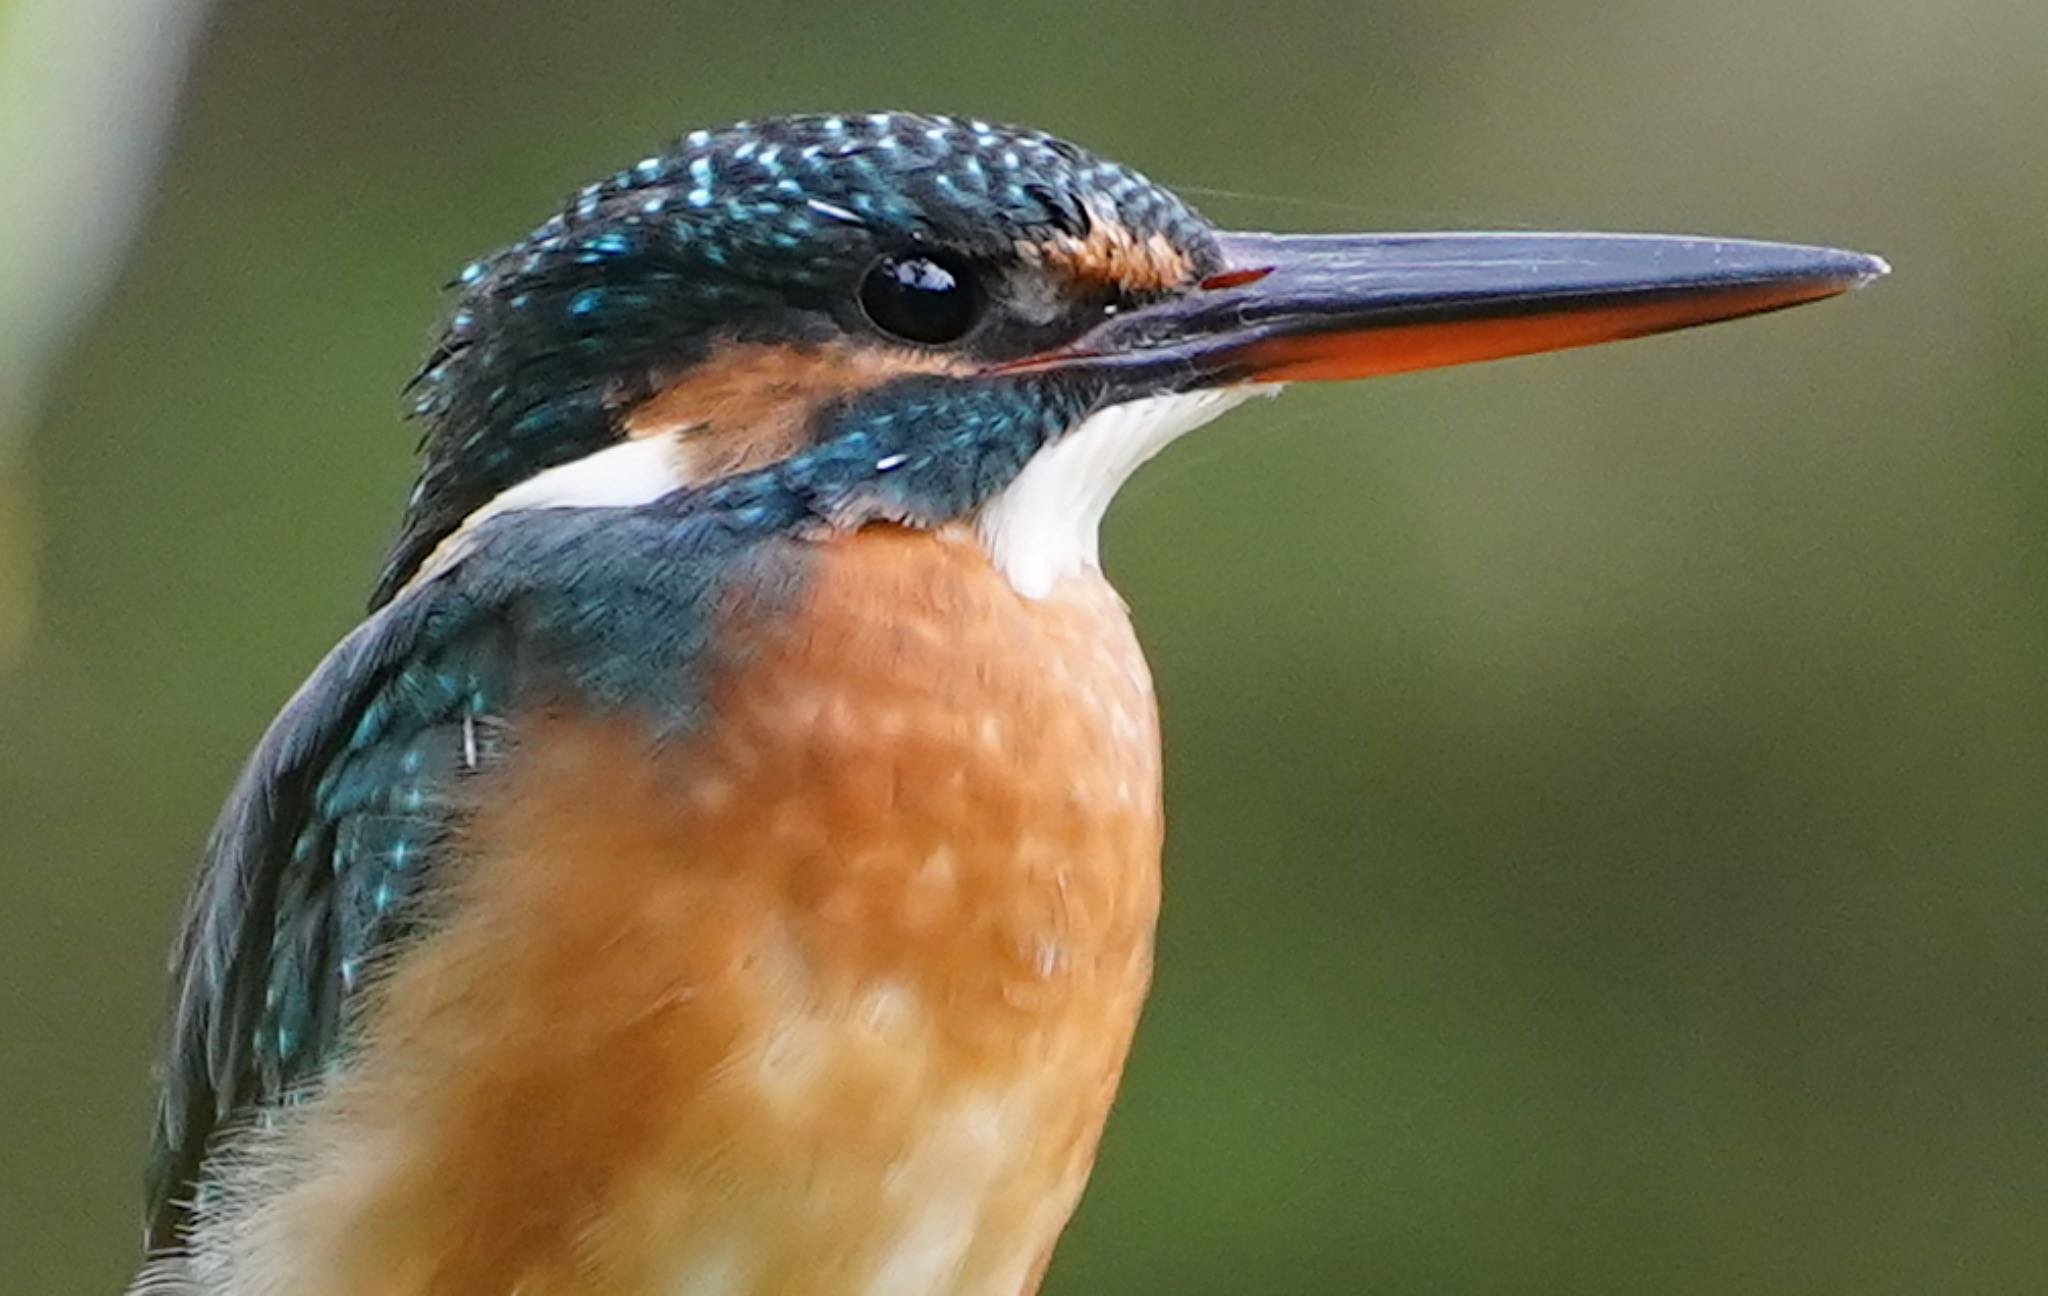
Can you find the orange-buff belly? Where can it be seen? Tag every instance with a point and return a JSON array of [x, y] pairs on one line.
[[829, 999]]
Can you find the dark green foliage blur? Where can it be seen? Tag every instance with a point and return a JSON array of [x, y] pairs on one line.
[[1608, 792]]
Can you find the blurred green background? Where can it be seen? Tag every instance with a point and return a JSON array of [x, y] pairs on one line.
[[1606, 790]]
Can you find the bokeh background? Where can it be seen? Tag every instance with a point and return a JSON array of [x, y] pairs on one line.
[[1609, 791]]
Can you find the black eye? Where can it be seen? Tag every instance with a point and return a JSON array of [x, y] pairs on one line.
[[921, 298]]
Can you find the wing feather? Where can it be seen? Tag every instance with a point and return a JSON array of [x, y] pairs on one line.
[[329, 837], [332, 835]]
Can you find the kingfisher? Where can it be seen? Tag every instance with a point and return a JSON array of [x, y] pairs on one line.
[[725, 860]]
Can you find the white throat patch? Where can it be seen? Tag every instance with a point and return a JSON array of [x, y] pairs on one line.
[[1046, 523], [1040, 528]]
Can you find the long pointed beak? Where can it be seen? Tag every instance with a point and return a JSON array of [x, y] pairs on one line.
[[1303, 307]]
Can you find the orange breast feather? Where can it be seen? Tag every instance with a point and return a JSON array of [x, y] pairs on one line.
[[829, 999]]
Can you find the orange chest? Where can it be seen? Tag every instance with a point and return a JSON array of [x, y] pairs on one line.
[[831, 997], [955, 784]]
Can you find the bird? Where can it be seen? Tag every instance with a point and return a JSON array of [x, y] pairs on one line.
[[725, 860]]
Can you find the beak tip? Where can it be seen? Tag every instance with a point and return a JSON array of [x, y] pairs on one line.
[[1870, 269], [1852, 270], [1830, 270]]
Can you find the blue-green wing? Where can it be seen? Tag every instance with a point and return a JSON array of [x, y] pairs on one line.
[[330, 840], [314, 869]]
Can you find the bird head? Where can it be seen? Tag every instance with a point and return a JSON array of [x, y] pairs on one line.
[[929, 320]]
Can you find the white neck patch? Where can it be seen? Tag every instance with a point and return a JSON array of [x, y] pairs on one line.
[[626, 474], [1046, 524]]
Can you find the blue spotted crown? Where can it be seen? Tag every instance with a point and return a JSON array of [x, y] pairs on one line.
[[756, 229]]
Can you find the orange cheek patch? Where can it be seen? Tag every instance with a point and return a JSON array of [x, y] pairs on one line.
[[749, 404]]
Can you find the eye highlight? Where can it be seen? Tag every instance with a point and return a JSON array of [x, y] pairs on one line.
[[923, 298]]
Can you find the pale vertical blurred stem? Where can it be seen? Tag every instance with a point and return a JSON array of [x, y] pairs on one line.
[[86, 90]]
